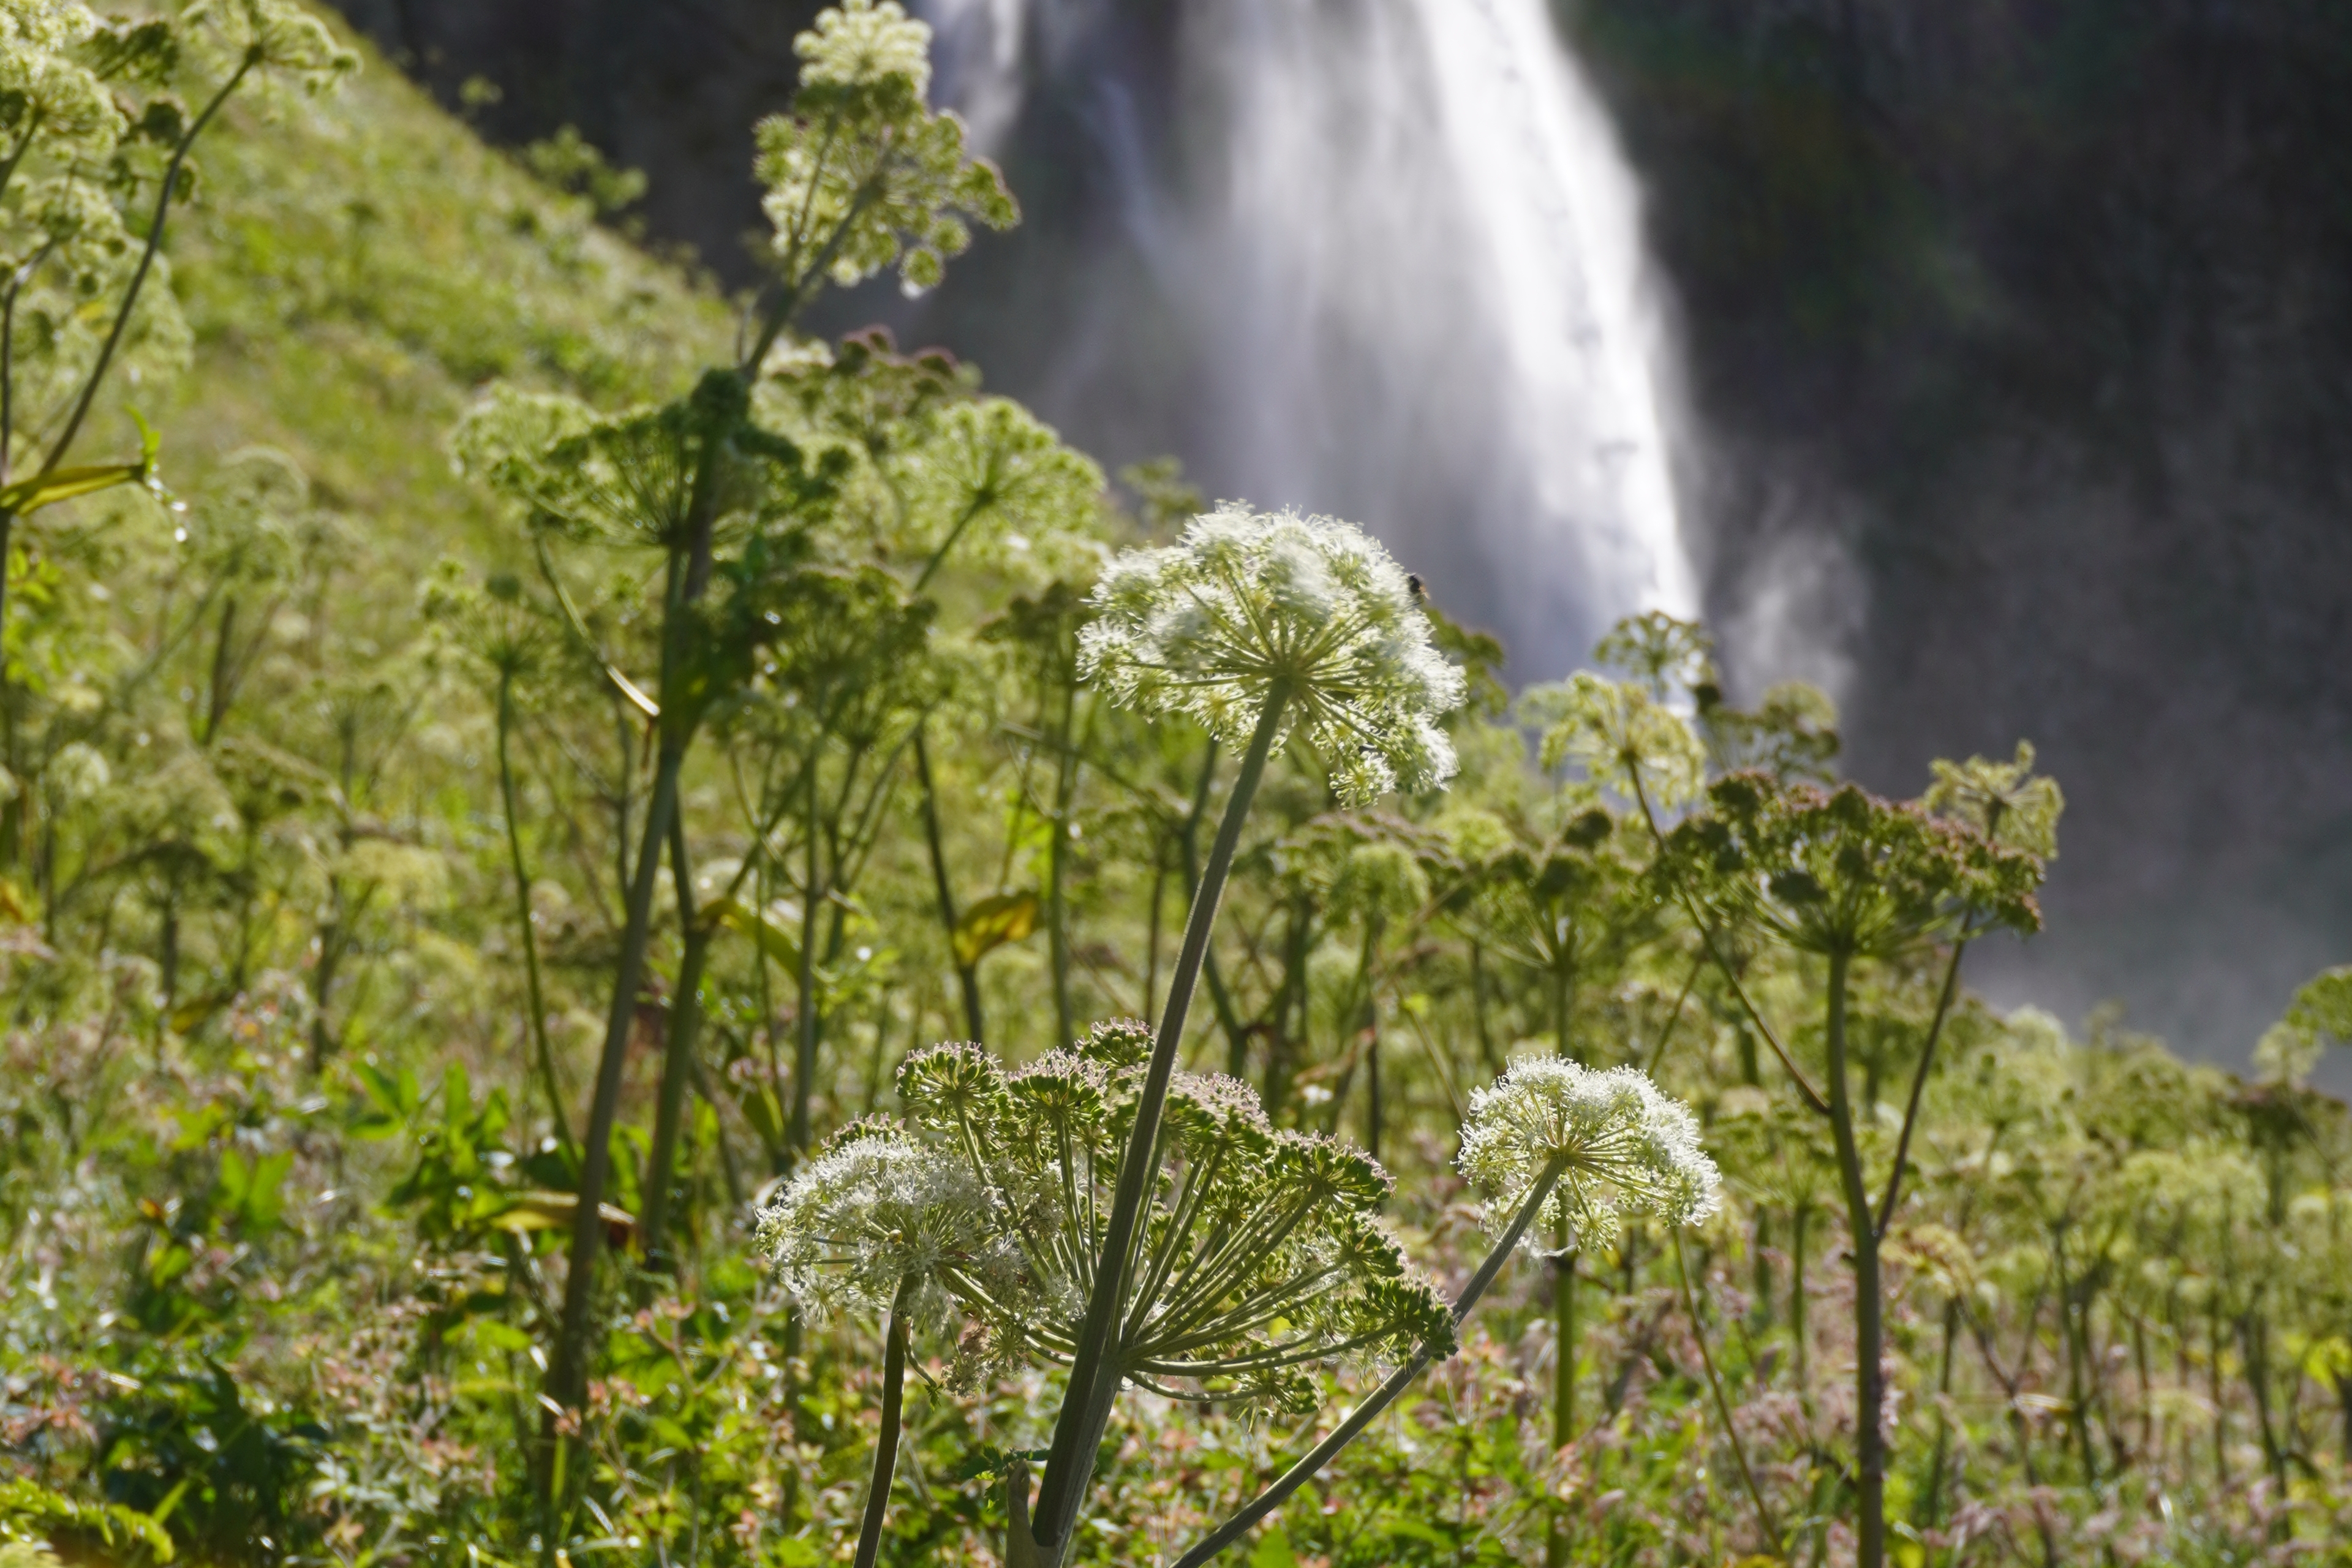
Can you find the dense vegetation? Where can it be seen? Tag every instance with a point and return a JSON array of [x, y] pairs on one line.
[[497, 804]]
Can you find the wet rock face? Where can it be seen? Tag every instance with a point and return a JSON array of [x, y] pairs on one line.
[[2014, 335], [2016, 329]]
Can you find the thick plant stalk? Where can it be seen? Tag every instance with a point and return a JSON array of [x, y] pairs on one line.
[[677, 1057], [805, 1020], [546, 1058], [1347, 1431], [885, 1444], [567, 1375], [688, 573], [1057, 903], [1869, 1297], [1563, 1376], [1094, 1371]]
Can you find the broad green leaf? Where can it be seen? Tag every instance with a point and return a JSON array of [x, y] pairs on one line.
[[27, 497], [553, 1211]]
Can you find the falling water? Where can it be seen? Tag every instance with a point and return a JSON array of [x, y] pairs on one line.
[[1396, 242]]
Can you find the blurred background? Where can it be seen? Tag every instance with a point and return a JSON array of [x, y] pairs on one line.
[[1986, 363]]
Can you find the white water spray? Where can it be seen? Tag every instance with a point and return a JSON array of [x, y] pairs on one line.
[[1402, 244]]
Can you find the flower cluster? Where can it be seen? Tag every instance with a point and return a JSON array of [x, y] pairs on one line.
[[1252, 605], [1260, 1257], [1621, 737], [862, 175], [2009, 802], [1842, 871], [1617, 1143], [874, 1208]]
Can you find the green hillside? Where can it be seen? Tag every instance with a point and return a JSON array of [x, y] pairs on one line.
[[358, 266]]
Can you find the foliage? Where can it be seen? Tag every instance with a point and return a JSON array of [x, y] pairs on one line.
[[334, 777]]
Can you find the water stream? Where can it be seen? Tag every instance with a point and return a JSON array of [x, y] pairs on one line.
[[1396, 245]]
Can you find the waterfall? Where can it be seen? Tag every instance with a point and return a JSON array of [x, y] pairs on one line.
[[1398, 246]]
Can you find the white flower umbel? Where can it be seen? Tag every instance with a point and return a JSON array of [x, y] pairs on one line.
[[880, 1220], [1251, 605], [872, 1211], [1618, 1142]]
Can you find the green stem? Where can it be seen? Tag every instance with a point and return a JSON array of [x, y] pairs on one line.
[[1869, 1305], [522, 917], [1058, 906], [1347, 1431], [1563, 1378], [966, 975], [805, 1020], [1723, 1405], [885, 1444], [1919, 1081], [684, 1025], [567, 1377], [146, 262], [1094, 1371], [688, 571]]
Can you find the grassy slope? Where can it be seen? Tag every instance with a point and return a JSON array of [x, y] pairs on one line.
[[355, 268]]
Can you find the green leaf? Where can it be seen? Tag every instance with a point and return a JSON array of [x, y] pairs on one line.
[[760, 1109], [993, 921], [27, 497], [553, 1211], [765, 932], [491, 1336]]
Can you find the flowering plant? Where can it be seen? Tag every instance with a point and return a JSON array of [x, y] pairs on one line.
[[1269, 616]]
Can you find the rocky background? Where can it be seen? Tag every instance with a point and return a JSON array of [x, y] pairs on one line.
[[2018, 340]]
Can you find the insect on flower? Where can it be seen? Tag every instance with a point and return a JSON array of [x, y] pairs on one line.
[[1250, 608]]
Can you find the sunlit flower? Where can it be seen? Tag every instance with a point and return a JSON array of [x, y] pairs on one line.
[[1620, 1145], [876, 1207], [1619, 736], [862, 174], [1249, 603], [860, 43]]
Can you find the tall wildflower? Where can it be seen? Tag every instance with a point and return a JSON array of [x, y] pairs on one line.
[[1846, 876], [1547, 1139], [1259, 1259], [860, 174], [881, 1222], [1252, 623], [1306, 616]]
